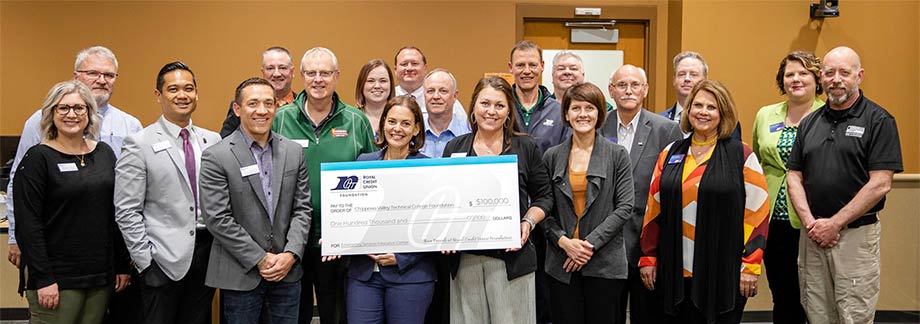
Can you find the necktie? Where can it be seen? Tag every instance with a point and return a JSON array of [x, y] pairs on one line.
[[190, 166]]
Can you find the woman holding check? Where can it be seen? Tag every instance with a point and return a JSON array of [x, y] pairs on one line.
[[495, 286], [393, 288], [593, 193]]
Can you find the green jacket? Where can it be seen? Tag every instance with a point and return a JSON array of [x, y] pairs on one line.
[[765, 147], [345, 136]]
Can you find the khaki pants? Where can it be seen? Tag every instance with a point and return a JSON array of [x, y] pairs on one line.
[[482, 293], [841, 284], [76, 306]]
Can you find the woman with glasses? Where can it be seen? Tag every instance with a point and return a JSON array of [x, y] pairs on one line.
[[65, 215], [774, 133], [373, 90]]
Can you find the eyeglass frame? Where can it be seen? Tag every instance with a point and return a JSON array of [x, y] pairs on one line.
[[623, 86], [319, 73], [107, 76], [68, 108]]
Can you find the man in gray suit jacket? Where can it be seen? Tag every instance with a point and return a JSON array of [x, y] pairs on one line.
[[255, 199], [156, 205], [644, 135]]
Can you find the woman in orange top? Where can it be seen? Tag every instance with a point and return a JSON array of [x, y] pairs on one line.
[[706, 224]]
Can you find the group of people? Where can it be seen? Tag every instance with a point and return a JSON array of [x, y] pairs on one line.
[[619, 206]]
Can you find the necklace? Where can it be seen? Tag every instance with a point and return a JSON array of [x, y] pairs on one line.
[[704, 143], [82, 162]]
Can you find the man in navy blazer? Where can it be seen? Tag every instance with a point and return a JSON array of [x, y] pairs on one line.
[[644, 135], [255, 199], [689, 69]]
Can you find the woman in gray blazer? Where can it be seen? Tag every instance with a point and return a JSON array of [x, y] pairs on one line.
[[593, 193]]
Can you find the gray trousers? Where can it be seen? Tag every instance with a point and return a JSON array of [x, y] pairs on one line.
[[482, 293]]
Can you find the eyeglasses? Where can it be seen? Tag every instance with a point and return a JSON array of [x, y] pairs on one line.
[[93, 74], [63, 110], [323, 74], [623, 85]]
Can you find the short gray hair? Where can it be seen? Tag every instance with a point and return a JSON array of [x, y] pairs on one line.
[[278, 49], [453, 80], [95, 50], [641, 72], [564, 53], [48, 130], [691, 54], [316, 50]]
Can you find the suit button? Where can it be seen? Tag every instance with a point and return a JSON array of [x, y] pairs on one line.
[[191, 209], [191, 233]]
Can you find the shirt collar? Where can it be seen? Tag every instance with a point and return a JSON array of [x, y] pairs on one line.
[[455, 127], [634, 122], [103, 110], [173, 130], [249, 141]]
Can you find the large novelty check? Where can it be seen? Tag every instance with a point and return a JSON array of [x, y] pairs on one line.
[[418, 205]]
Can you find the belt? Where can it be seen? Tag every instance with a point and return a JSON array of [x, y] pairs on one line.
[[867, 219]]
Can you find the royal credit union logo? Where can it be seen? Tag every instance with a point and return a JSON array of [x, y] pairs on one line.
[[346, 183]]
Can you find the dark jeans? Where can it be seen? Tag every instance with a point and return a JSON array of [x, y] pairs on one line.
[[185, 301], [281, 299], [644, 306], [688, 313], [439, 310], [781, 257], [328, 278], [380, 301], [585, 299]]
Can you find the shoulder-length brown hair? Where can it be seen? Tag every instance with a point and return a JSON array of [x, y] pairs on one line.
[[58, 91], [510, 128], [809, 61], [362, 78], [403, 101], [728, 115]]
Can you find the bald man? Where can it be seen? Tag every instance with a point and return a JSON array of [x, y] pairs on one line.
[[840, 169], [644, 134]]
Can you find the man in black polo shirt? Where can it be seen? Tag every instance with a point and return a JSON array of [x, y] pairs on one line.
[[841, 166]]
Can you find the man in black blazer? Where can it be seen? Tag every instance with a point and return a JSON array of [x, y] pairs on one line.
[[689, 69], [643, 134]]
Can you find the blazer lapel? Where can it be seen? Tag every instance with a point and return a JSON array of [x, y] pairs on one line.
[[278, 158], [561, 170], [174, 155], [597, 167], [643, 129], [244, 157]]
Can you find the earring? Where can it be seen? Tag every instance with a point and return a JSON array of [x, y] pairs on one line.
[[507, 122]]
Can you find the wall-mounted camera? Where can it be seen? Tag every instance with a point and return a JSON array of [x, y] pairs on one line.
[[825, 9]]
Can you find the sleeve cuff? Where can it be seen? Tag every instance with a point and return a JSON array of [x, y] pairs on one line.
[[648, 261]]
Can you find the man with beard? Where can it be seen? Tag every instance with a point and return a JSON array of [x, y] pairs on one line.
[[278, 69], [840, 169], [97, 68]]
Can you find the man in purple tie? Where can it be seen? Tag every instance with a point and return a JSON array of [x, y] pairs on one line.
[[156, 204]]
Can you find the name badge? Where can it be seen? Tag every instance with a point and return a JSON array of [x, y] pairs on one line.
[[548, 123], [612, 139], [458, 154], [339, 132], [855, 131], [68, 167], [777, 127], [302, 143], [249, 170], [157, 147], [676, 158]]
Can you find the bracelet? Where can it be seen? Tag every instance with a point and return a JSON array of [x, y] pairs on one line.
[[529, 221]]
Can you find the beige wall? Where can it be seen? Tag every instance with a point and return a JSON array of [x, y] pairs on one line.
[[743, 42]]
